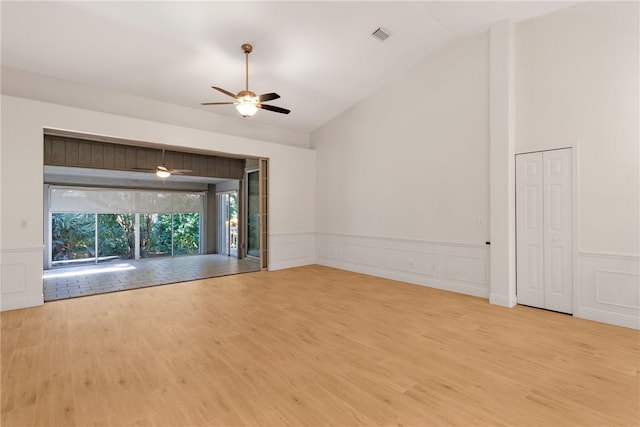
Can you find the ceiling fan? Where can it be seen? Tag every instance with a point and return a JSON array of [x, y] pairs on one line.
[[162, 171], [247, 103]]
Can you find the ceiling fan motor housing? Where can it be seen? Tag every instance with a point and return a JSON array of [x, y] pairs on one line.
[[247, 95]]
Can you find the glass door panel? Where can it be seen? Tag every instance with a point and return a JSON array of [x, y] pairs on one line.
[[186, 233], [116, 236], [233, 224], [72, 238], [155, 235], [253, 214]]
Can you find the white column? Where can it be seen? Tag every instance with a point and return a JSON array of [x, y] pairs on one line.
[[502, 165]]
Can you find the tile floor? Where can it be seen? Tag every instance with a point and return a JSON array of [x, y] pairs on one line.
[[71, 282]]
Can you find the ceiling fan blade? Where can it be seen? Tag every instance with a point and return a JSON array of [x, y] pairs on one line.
[[226, 92], [217, 103], [268, 97], [274, 108], [180, 171]]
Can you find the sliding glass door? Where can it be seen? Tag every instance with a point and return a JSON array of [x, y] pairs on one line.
[[253, 214], [257, 213], [116, 236], [73, 238], [84, 228], [228, 223]]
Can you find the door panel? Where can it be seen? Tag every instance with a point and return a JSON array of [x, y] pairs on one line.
[[223, 224], [558, 230], [264, 214], [253, 214], [544, 230], [529, 245]]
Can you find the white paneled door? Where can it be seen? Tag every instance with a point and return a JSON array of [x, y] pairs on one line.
[[530, 229], [544, 229]]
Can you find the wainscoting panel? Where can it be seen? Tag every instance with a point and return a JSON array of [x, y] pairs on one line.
[[21, 278], [405, 260], [453, 267], [363, 254], [291, 250], [467, 269], [609, 289]]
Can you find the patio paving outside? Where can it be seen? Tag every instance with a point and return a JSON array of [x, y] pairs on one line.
[[120, 275]]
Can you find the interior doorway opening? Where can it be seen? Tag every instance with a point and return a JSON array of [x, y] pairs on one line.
[[110, 223]]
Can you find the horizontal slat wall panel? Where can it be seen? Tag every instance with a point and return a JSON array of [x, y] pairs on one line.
[[60, 151]]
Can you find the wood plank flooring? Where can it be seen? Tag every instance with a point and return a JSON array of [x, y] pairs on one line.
[[311, 346]]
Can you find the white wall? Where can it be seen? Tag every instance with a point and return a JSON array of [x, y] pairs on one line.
[[402, 178], [577, 84], [231, 185], [407, 170], [24, 84], [292, 182]]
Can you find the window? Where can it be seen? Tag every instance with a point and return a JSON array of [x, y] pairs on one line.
[[99, 225]]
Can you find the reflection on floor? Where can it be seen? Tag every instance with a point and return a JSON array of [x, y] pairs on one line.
[[71, 282]]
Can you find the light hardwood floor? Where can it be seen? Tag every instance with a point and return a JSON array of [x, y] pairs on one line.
[[311, 346]]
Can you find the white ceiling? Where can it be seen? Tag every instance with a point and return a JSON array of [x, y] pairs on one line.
[[319, 56]]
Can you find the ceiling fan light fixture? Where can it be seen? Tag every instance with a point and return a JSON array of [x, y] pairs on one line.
[[161, 173], [248, 106]]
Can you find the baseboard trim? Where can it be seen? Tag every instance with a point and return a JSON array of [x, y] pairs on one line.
[[407, 278], [502, 300], [588, 313], [291, 263], [21, 302]]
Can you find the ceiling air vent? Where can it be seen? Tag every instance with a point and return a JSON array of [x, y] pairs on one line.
[[381, 34]]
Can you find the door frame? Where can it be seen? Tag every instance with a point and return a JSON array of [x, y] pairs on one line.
[[263, 212], [219, 222]]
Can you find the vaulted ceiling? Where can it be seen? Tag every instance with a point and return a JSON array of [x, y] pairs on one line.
[[319, 56]]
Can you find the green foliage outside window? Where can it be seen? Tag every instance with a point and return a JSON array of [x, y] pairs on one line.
[[73, 235], [186, 233], [116, 235]]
